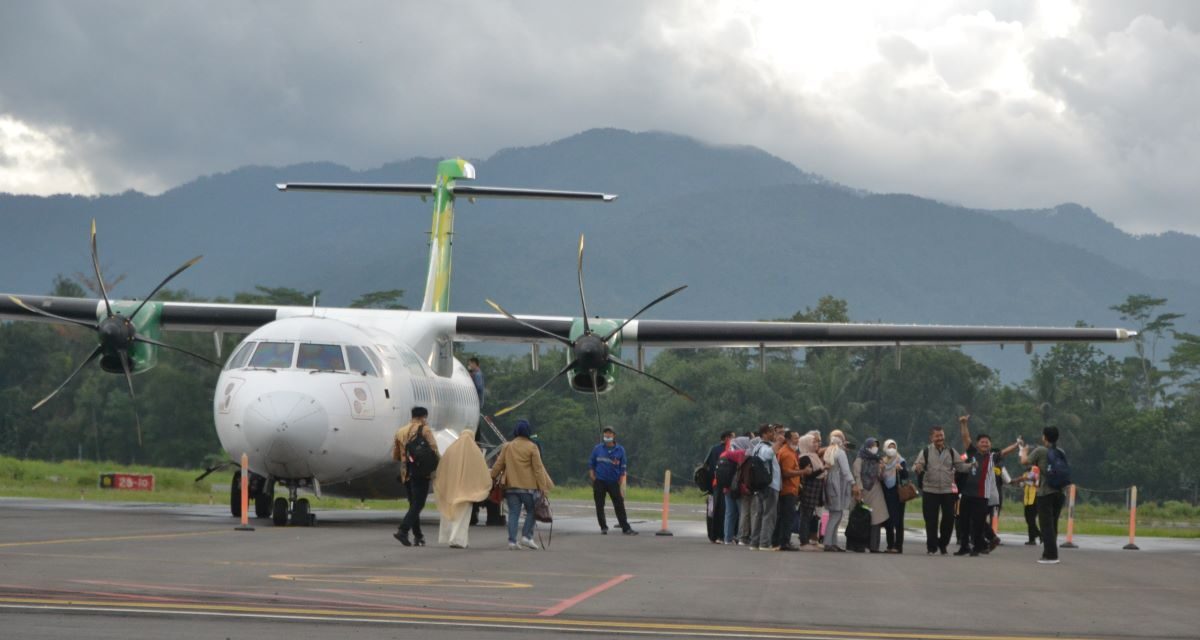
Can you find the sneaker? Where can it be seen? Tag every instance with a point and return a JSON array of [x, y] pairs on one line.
[[631, 532], [528, 543], [420, 542], [1030, 543], [942, 550], [931, 552], [995, 543], [604, 531], [973, 554], [964, 551], [512, 546], [1047, 561], [768, 548], [788, 547], [402, 536], [753, 547]]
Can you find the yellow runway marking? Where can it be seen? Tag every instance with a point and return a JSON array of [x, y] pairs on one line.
[[616, 626], [143, 536], [404, 581]]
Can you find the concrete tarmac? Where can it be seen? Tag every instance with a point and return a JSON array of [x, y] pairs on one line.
[[75, 569]]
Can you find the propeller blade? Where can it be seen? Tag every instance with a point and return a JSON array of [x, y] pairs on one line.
[[164, 345], [163, 284], [535, 328], [596, 397], [652, 377], [96, 266], [132, 397], [90, 358], [582, 300], [570, 365], [20, 303], [643, 310]]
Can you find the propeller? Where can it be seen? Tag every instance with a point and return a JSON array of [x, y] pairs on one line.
[[116, 333], [591, 351]]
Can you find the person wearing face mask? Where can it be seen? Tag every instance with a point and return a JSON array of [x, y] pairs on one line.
[[812, 490], [895, 473], [605, 469], [838, 483], [867, 469]]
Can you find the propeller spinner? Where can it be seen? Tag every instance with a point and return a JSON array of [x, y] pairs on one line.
[[590, 352], [116, 334]]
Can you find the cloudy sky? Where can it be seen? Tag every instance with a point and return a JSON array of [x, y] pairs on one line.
[[1001, 104]]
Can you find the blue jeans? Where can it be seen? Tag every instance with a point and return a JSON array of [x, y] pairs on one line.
[[731, 518], [516, 500]]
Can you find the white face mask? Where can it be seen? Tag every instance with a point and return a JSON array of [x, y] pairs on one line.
[[608, 438], [891, 452], [873, 451]]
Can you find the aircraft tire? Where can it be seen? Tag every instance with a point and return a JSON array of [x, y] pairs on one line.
[[279, 512], [300, 511], [235, 495], [262, 503]]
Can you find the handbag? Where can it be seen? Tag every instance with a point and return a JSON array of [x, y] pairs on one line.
[[541, 509], [907, 491], [496, 495], [541, 513]]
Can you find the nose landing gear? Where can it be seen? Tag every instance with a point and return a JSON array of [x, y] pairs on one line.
[[291, 510]]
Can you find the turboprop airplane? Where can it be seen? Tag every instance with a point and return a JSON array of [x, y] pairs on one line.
[[314, 395]]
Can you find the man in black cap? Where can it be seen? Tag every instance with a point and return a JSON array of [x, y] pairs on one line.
[[411, 449]]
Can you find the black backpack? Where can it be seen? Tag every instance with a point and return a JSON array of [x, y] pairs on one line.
[[726, 472], [422, 459], [760, 473], [703, 478], [1058, 470]]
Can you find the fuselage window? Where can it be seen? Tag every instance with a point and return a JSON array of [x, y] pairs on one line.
[[321, 356], [273, 355], [240, 357], [359, 363]]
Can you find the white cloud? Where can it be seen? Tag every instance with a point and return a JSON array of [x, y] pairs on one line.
[[36, 162]]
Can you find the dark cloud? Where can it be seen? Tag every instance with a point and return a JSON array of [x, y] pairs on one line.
[[149, 95]]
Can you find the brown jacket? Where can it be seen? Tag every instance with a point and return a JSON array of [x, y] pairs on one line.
[[520, 462], [403, 436]]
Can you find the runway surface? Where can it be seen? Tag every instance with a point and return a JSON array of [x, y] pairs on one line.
[[75, 569]]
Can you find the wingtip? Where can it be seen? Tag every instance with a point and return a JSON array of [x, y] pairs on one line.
[[282, 186], [609, 197]]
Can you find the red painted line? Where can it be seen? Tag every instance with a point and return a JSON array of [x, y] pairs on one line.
[[570, 602]]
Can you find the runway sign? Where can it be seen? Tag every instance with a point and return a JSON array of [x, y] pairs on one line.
[[127, 481]]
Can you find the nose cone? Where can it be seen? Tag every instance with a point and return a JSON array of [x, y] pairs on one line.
[[286, 428]]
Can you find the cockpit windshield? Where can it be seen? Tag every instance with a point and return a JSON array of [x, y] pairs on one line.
[[326, 357], [239, 359], [359, 363], [273, 355]]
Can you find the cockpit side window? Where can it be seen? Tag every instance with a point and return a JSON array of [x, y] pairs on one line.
[[374, 359], [359, 363], [240, 356], [321, 356], [273, 355]]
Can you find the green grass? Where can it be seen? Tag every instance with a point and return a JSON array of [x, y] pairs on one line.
[[80, 481]]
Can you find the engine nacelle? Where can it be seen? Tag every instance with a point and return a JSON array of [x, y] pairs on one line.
[[148, 323], [592, 353]]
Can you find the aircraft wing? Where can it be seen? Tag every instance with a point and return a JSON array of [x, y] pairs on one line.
[[176, 316], [693, 334]]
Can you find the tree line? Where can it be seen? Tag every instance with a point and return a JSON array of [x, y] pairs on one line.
[[1125, 420]]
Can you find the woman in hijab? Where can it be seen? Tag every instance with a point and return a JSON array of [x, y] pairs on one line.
[[868, 488], [735, 531], [838, 483], [462, 480], [812, 492], [895, 473]]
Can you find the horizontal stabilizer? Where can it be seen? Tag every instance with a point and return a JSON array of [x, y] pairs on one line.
[[393, 189], [472, 191]]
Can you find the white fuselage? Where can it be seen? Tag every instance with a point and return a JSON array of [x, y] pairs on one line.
[[319, 397]]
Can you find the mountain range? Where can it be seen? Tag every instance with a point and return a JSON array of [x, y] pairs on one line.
[[753, 236]]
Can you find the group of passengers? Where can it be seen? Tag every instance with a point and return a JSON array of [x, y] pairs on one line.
[[461, 479], [766, 486]]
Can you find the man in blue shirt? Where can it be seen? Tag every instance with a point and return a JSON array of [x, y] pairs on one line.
[[606, 468]]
